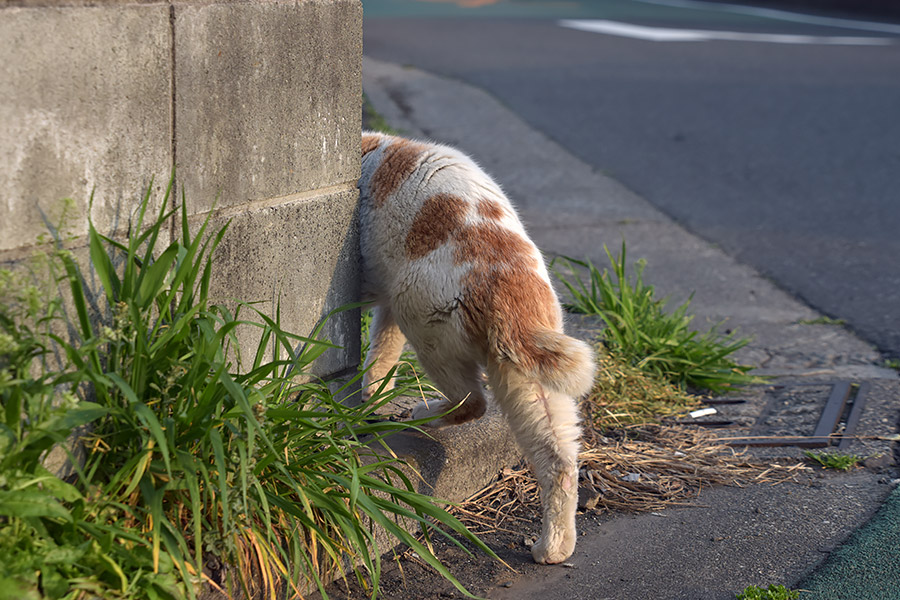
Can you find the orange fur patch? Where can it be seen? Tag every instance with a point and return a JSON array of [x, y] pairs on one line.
[[488, 209], [503, 307], [488, 244], [369, 143], [505, 300], [440, 217], [399, 161]]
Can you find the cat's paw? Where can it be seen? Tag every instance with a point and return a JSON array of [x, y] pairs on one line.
[[553, 553], [429, 410]]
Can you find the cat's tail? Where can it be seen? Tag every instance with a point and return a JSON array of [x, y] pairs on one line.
[[559, 362]]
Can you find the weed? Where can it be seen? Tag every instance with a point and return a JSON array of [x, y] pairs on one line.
[[892, 363], [374, 121], [833, 460], [640, 332], [823, 320], [186, 470], [625, 395], [773, 592]]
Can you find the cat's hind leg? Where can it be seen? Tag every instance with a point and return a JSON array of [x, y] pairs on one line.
[[385, 346], [545, 425], [460, 381]]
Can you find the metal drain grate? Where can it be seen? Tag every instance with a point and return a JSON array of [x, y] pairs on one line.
[[836, 424]]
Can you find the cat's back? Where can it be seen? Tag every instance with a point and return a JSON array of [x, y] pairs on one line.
[[420, 194], [435, 230], [400, 173]]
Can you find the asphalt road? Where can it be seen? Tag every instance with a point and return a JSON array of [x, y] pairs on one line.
[[784, 151]]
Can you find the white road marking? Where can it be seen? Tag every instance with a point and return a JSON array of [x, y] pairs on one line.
[[666, 34], [780, 15]]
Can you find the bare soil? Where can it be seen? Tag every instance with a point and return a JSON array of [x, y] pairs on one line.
[[406, 577]]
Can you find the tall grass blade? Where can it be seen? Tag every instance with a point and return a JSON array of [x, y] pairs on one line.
[[640, 330]]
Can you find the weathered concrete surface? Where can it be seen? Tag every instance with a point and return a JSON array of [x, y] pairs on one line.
[[455, 462], [86, 106], [267, 131], [267, 99], [300, 252], [256, 102]]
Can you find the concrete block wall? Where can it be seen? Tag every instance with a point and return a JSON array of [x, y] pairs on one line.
[[255, 102]]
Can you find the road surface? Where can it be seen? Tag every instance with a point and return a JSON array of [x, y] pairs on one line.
[[774, 135]]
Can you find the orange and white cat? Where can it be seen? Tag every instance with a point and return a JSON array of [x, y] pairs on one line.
[[451, 269]]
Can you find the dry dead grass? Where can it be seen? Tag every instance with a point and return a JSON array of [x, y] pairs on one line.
[[643, 468], [629, 462], [624, 395]]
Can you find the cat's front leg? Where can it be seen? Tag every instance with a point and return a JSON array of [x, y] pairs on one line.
[[385, 346]]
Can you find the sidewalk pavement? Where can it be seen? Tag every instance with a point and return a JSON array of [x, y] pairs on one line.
[[733, 537]]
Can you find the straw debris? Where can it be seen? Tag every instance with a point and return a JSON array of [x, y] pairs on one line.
[[642, 468], [629, 462]]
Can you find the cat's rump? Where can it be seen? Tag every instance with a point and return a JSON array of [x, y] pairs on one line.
[[439, 233]]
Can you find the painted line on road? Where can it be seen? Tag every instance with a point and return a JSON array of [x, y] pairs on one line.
[[665, 34], [780, 15]]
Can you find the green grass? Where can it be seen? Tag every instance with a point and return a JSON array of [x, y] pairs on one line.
[[187, 460], [833, 460], [823, 320], [374, 121], [892, 363], [640, 331], [773, 592], [625, 395]]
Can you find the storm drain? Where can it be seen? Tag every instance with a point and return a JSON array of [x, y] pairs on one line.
[[807, 415]]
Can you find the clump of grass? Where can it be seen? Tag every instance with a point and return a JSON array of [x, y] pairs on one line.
[[187, 471], [625, 395], [773, 592], [643, 334], [892, 363], [833, 460], [823, 320]]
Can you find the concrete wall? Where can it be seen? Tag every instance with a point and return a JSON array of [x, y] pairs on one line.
[[257, 102]]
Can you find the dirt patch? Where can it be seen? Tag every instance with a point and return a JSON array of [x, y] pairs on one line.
[[406, 577], [638, 469]]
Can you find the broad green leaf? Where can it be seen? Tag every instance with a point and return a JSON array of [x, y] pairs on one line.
[[103, 265], [153, 279], [31, 503]]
